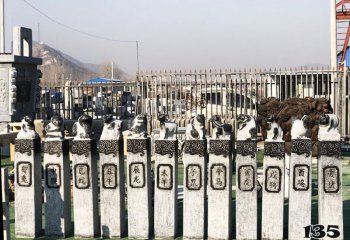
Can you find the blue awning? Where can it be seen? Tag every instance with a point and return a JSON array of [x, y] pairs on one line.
[[103, 80]]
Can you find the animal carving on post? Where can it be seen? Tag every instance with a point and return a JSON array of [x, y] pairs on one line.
[[274, 131], [328, 127], [138, 127], [301, 128], [28, 129], [220, 130], [168, 130], [246, 128], [111, 128], [55, 129], [82, 128], [195, 130]]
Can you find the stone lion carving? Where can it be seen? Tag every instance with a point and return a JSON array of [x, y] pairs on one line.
[[82, 128], [138, 127], [28, 129], [220, 129], [328, 128], [55, 129], [195, 130], [274, 131], [301, 128], [246, 128], [112, 128], [168, 130]]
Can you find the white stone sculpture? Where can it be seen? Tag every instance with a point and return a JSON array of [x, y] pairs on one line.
[[220, 130], [274, 131], [138, 127], [301, 128], [28, 129], [168, 129], [55, 129], [82, 128], [246, 129], [195, 130], [328, 128], [112, 128]]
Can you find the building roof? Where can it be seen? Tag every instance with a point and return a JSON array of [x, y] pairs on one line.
[[103, 80]]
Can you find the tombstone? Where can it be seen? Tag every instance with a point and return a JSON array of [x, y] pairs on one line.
[[28, 195], [330, 204], [6, 234], [246, 189], [85, 189], [57, 180], [220, 180], [112, 186], [165, 192], [273, 190], [195, 169], [139, 180], [300, 186]]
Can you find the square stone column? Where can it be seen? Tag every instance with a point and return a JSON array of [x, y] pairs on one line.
[[57, 188], [112, 188], [5, 204], [28, 195], [165, 195], [195, 182], [220, 189], [85, 189], [139, 187]]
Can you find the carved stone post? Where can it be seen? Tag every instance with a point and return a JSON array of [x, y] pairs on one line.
[[246, 191], [112, 185], [57, 188], [330, 204], [165, 195], [139, 187], [85, 189], [5, 204], [28, 195], [220, 189]]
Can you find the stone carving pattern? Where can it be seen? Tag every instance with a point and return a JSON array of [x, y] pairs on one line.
[[82, 176], [27, 146], [81, 147], [220, 147], [165, 176], [137, 146], [331, 179], [195, 147], [24, 174], [330, 148], [109, 147], [218, 176], [273, 179], [302, 146], [275, 149], [53, 147], [165, 147], [193, 177], [109, 176], [246, 178], [246, 148], [301, 176], [137, 175]]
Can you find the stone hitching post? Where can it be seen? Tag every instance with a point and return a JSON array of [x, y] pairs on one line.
[[246, 190], [139, 179], [85, 189], [220, 180], [330, 205], [5, 204], [195, 162], [57, 180], [28, 181], [112, 188], [273, 190], [300, 179], [165, 195]]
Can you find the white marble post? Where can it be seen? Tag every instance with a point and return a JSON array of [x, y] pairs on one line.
[[273, 190], [57, 188], [5, 204], [28, 195], [139, 187], [85, 189], [112, 188], [300, 188], [195, 170], [220, 189], [165, 195], [246, 191]]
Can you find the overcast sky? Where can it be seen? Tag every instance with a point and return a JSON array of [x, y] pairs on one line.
[[184, 34]]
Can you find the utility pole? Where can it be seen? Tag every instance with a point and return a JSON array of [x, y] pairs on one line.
[[333, 31], [2, 26], [112, 70], [38, 32]]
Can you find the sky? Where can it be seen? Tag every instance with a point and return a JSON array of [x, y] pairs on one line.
[[181, 34]]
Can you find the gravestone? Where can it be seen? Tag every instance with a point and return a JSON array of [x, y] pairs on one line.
[[28, 195], [246, 190], [166, 169], [6, 234], [112, 186], [273, 190], [330, 204], [57, 180], [85, 189]]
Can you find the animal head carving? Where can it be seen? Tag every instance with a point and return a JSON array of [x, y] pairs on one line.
[[139, 126], [246, 128], [112, 128], [57, 120], [28, 129], [242, 120], [195, 130], [162, 118], [328, 128], [301, 129], [168, 130], [55, 128], [82, 128], [199, 119], [220, 130]]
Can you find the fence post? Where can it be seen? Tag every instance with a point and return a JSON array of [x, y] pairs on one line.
[[112, 185], [246, 191], [273, 190], [139, 187], [28, 195], [85, 189], [5, 204], [330, 205]]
